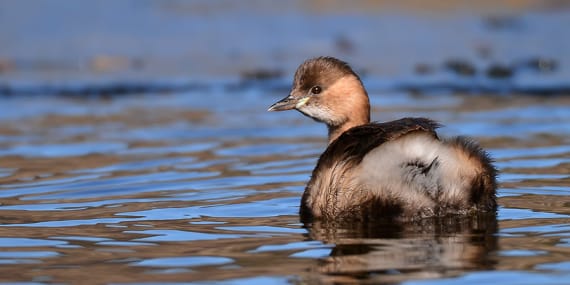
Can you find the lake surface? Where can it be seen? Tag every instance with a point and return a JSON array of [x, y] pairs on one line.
[[186, 187], [143, 152]]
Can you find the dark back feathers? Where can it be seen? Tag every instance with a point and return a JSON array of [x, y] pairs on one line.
[[355, 143]]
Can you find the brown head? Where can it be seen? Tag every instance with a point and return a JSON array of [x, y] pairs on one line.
[[327, 90]]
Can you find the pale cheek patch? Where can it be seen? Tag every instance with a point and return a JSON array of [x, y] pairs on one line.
[[319, 113]]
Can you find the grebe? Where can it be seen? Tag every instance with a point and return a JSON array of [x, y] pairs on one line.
[[396, 170]]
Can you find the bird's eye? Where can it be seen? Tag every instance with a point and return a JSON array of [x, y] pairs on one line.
[[316, 89]]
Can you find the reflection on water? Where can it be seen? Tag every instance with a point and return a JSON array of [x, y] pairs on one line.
[[386, 253]]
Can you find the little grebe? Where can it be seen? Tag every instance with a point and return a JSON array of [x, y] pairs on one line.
[[394, 170]]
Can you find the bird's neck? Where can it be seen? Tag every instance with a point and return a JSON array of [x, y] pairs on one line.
[[336, 131], [351, 106]]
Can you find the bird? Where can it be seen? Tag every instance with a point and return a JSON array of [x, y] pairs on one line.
[[399, 170]]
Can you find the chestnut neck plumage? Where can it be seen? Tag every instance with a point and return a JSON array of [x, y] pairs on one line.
[[352, 107], [336, 131]]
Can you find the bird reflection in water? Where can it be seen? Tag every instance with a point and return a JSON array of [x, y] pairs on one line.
[[387, 252]]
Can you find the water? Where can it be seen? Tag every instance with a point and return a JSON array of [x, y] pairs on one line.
[[175, 188], [182, 176]]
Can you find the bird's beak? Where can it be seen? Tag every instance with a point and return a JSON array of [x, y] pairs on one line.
[[288, 103]]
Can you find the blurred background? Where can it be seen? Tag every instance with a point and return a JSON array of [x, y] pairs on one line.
[[58, 41], [135, 145]]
